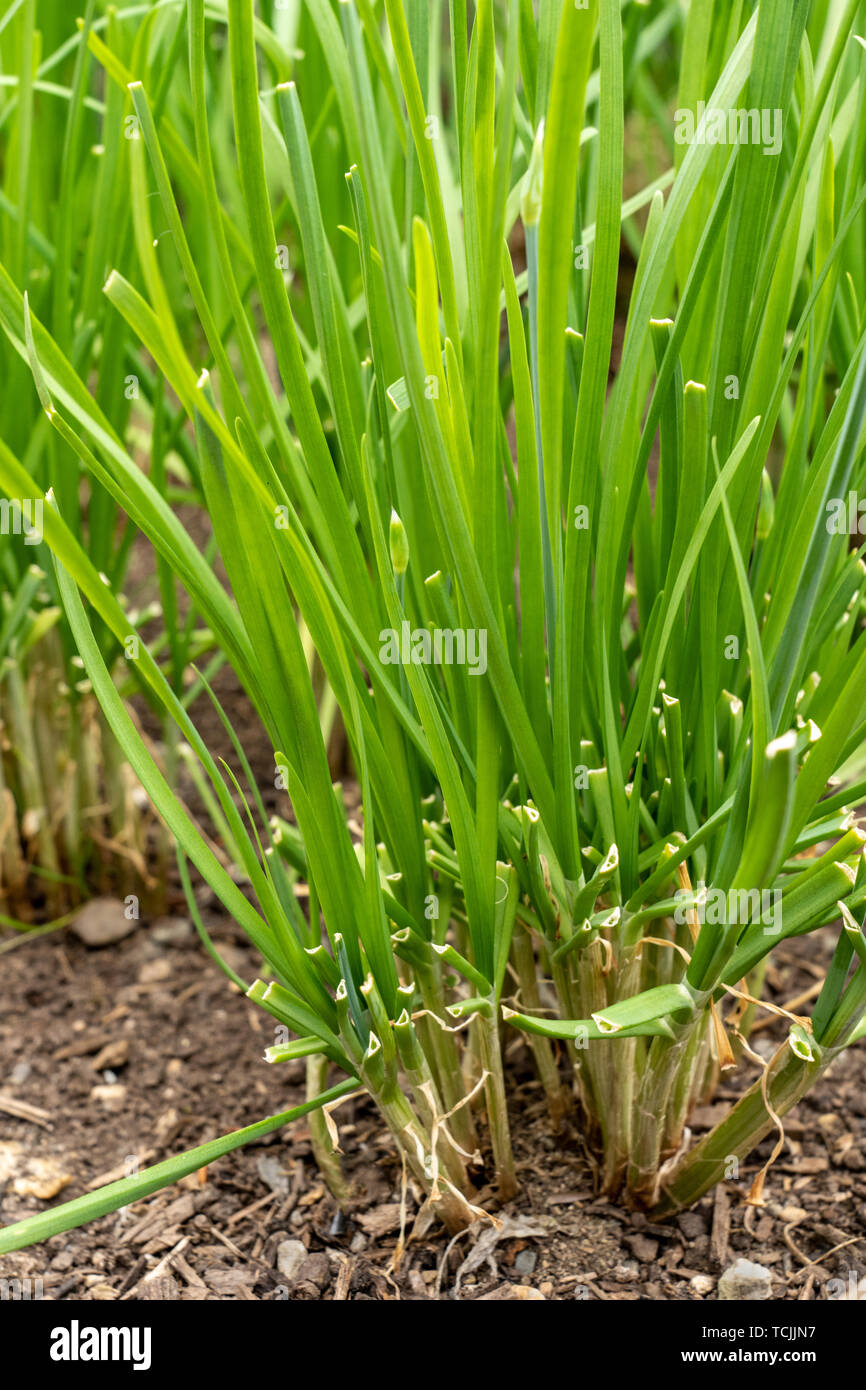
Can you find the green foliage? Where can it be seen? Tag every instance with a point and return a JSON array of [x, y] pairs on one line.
[[571, 834]]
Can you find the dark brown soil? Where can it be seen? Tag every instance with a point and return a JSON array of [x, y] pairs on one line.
[[194, 1070]]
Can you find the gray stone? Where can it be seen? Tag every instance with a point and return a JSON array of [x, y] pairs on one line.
[[102, 921], [272, 1172], [291, 1255], [316, 1270], [525, 1262], [643, 1248], [154, 972], [692, 1224], [702, 1283], [172, 931], [745, 1281]]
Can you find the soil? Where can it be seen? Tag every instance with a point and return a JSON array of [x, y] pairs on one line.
[[153, 1016]]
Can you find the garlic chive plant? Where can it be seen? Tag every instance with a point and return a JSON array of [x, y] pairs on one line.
[[73, 820], [597, 842]]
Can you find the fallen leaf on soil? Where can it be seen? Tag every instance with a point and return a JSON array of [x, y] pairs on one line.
[[381, 1221], [488, 1237]]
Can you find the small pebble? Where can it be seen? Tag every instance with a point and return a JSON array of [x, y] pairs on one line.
[[643, 1248], [291, 1255], [154, 971], [112, 1097], [316, 1270], [702, 1283], [102, 921], [171, 931], [745, 1281], [167, 1126], [525, 1262], [792, 1214], [692, 1224], [271, 1171]]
